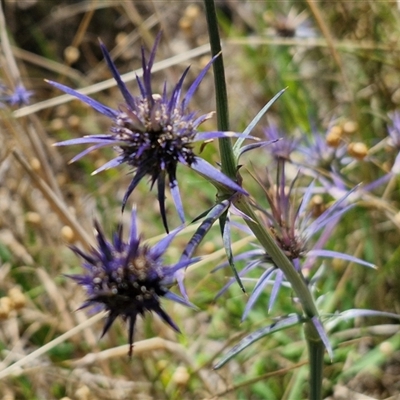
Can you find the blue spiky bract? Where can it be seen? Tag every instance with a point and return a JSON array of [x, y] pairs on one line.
[[128, 278]]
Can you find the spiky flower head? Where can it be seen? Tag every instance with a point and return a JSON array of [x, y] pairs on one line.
[[282, 146], [153, 133], [322, 153], [293, 225], [17, 97], [291, 222], [128, 278]]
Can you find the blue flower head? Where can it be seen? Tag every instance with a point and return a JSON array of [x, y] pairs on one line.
[[152, 133], [128, 278], [283, 145], [293, 225], [19, 97]]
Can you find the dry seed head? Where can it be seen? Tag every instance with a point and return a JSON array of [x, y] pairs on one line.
[[68, 234], [121, 38], [386, 348], [192, 11], [18, 299], [350, 127], [185, 24], [181, 376], [191, 14], [208, 247], [357, 150], [33, 217], [74, 121], [83, 393], [56, 124], [35, 164], [71, 54], [334, 136]]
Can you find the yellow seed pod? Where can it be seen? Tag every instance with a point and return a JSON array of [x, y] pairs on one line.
[[18, 299], [33, 217], [35, 164], [121, 38], [208, 247], [68, 234], [357, 150], [192, 11], [74, 122], [185, 24], [83, 393], [350, 127], [56, 124], [181, 376], [71, 54], [334, 136]]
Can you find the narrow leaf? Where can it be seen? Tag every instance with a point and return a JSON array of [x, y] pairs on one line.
[[284, 323]]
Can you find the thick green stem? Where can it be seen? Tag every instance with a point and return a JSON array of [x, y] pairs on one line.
[[316, 350], [315, 345], [228, 163], [260, 230]]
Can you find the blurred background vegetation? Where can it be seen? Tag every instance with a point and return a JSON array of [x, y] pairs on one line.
[[340, 62]]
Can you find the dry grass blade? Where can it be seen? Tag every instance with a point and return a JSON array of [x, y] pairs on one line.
[[13, 68], [143, 347], [331, 45], [16, 367]]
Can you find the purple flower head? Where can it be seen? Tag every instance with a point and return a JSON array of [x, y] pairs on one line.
[[293, 224], [128, 278], [283, 146], [153, 133], [320, 153], [19, 97]]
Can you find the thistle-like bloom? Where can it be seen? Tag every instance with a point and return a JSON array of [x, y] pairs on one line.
[[292, 225], [282, 146], [19, 97], [128, 278], [152, 133], [321, 155]]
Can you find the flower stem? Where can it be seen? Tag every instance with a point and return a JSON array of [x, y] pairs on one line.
[[262, 233], [316, 350], [228, 164], [315, 345]]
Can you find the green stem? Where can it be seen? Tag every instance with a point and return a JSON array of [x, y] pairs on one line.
[[316, 350], [315, 345], [228, 163], [262, 233]]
